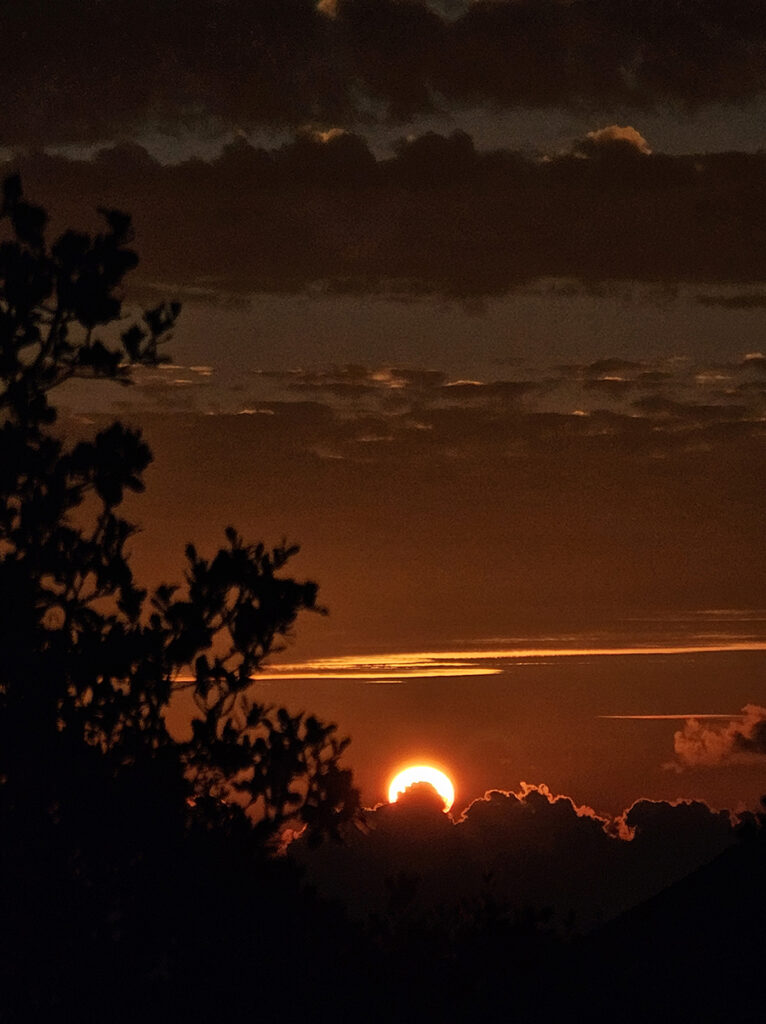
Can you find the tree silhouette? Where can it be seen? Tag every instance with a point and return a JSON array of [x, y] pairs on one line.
[[89, 659]]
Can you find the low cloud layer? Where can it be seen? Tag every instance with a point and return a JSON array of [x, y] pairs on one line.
[[650, 409], [528, 849], [700, 744], [94, 70], [321, 213], [610, 487]]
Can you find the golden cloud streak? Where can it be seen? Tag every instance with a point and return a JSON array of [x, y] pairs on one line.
[[430, 664], [667, 718]]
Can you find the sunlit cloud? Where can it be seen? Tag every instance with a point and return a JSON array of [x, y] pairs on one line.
[[396, 675], [741, 739], [440, 664], [614, 136]]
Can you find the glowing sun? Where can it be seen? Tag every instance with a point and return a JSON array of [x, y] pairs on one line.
[[422, 773]]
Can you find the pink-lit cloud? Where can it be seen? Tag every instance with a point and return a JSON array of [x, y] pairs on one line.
[[700, 744]]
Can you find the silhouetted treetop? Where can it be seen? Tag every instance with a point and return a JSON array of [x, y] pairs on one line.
[[52, 299], [90, 660]]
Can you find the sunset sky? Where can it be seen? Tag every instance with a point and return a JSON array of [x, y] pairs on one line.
[[474, 309]]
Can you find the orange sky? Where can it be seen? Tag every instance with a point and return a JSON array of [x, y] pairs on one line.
[[598, 502], [473, 311]]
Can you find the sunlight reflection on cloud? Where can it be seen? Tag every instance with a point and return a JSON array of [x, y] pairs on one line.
[[434, 664]]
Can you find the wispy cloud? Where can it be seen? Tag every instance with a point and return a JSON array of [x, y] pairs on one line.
[[435, 664], [666, 718]]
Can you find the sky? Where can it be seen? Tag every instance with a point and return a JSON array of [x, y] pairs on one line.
[[474, 300]]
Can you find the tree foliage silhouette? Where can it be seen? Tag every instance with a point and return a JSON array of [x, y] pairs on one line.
[[90, 660]]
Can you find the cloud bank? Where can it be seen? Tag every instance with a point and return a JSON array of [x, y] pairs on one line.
[[321, 213], [531, 848], [94, 70], [585, 490]]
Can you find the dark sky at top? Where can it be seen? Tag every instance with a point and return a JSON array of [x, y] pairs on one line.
[[96, 69], [332, 156]]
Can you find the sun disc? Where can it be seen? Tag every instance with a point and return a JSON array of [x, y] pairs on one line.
[[422, 773]]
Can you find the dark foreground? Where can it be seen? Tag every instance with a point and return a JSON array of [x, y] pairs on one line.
[[198, 934]]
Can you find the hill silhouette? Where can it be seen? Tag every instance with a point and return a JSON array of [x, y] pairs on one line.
[[695, 950]]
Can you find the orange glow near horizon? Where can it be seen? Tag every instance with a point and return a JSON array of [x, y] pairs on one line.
[[422, 773]]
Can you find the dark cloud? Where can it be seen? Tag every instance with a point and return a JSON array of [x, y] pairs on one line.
[[689, 412], [645, 440], [536, 849], [422, 411], [702, 744], [754, 362], [742, 300], [502, 393], [632, 53], [94, 70], [437, 218], [359, 380], [605, 367], [614, 386], [654, 377], [587, 411]]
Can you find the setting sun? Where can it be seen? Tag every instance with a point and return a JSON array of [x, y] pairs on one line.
[[422, 773]]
